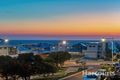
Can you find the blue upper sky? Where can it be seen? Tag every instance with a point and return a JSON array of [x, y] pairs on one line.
[[29, 9]]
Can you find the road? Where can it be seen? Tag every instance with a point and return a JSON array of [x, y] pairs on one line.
[[76, 77], [79, 76], [93, 66]]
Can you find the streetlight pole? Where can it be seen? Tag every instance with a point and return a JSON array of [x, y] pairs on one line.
[[64, 45], [103, 47], [112, 48], [5, 43]]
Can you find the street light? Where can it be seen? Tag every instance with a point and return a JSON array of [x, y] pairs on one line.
[[53, 47], [63, 46], [6, 40], [64, 42], [103, 40]]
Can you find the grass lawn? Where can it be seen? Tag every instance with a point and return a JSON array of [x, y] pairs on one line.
[[57, 75]]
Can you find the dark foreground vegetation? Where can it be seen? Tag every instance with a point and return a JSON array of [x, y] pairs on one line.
[[26, 65]]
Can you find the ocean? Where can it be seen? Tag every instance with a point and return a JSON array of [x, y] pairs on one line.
[[19, 42]]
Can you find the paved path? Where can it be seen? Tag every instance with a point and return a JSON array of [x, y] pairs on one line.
[[76, 77], [79, 76], [92, 67]]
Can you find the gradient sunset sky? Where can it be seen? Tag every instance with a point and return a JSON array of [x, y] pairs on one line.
[[59, 19]]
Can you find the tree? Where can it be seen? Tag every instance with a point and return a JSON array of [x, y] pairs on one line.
[[49, 60], [11, 68], [37, 65], [24, 66], [59, 57], [48, 69], [33, 64], [26, 58], [4, 66]]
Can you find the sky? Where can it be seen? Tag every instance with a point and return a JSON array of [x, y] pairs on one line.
[[59, 19]]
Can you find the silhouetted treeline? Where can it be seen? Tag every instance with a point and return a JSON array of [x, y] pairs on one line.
[[26, 65]]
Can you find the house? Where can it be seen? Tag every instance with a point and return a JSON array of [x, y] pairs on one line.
[[8, 50], [93, 51]]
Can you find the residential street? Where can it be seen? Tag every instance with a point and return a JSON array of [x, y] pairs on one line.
[[93, 66]]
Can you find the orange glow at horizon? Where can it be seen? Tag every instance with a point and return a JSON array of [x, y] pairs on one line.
[[92, 24]]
